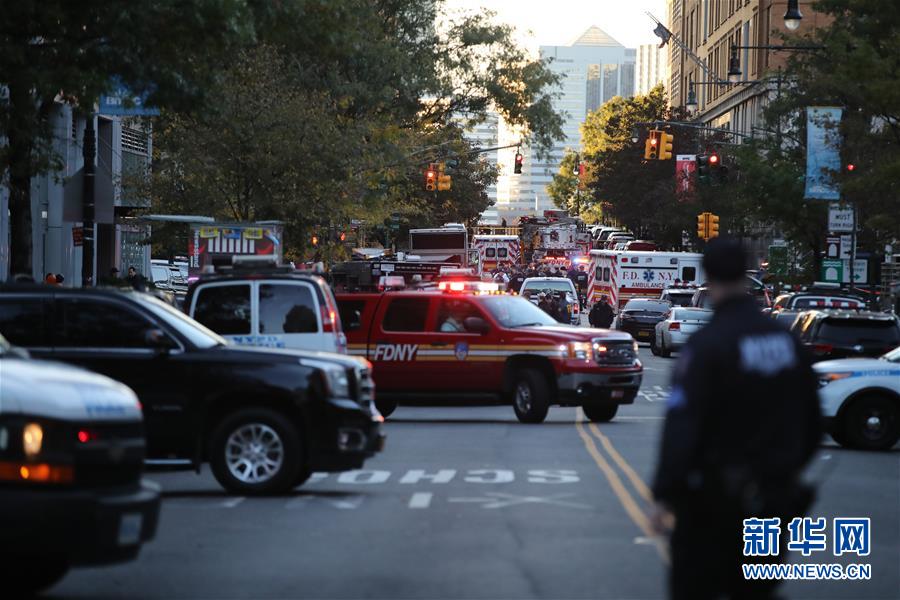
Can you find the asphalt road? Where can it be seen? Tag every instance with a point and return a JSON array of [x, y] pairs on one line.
[[466, 502]]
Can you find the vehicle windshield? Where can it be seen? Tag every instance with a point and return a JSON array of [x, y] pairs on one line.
[[680, 298], [852, 331], [893, 355], [558, 285], [196, 333], [515, 311], [646, 306]]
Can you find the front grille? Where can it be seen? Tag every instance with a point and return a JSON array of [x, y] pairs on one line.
[[617, 352], [365, 387], [114, 454]]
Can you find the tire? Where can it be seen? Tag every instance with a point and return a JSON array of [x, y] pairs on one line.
[[600, 413], [872, 422], [663, 351], [530, 396], [385, 407], [275, 461], [654, 349], [28, 577]]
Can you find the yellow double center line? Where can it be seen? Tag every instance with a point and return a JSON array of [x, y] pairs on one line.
[[632, 508]]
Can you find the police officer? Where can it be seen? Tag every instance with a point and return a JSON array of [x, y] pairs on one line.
[[518, 278], [742, 422], [580, 279]]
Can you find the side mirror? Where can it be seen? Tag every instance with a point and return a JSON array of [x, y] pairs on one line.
[[158, 340], [355, 323], [476, 325]]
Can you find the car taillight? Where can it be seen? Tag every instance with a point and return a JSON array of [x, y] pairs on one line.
[[328, 316], [675, 326], [822, 348]]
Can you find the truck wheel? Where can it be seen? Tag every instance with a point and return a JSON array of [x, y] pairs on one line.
[[872, 423], [600, 413], [385, 407], [256, 451], [530, 396], [28, 577]]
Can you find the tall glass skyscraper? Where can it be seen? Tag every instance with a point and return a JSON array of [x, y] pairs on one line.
[[595, 67]]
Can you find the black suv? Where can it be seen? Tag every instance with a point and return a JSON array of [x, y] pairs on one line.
[[639, 318], [264, 419], [847, 334]]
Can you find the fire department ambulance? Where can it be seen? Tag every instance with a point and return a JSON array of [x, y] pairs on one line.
[[621, 275], [496, 251]]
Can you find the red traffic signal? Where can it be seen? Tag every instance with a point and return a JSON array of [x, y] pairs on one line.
[[343, 236], [517, 168], [713, 159], [851, 167], [315, 240]]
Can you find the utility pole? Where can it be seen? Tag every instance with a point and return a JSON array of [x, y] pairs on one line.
[[89, 150]]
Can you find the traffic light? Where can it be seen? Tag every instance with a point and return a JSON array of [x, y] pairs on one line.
[[315, 240], [517, 168], [703, 168], [713, 226], [665, 145], [431, 178], [577, 169], [702, 226], [342, 237], [851, 167], [651, 146], [444, 182]]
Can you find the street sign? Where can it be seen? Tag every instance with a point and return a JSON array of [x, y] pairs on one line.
[[839, 218], [860, 271], [833, 247], [846, 246], [832, 270]]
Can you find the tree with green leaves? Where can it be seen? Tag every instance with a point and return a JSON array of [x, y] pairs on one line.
[[317, 129], [57, 51]]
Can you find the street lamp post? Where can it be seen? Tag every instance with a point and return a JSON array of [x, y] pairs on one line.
[[792, 15]]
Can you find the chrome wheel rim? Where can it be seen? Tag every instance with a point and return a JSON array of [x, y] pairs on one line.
[[254, 453], [873, 425], [523, 397]]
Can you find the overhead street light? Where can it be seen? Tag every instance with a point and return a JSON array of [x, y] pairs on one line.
[[691, 103], [734, 66], [793, 16], [635, 135]]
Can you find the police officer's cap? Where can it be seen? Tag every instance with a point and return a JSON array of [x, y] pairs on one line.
[[724, 260]]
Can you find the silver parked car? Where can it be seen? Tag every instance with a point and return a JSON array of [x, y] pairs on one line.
[[678, 325]]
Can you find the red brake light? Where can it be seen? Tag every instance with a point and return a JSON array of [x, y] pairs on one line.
[[327, 319], [84, 436], [675, 326]]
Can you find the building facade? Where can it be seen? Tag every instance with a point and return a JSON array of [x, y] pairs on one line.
[[650, 67], [594, 69], [124, 146], [709, 28]]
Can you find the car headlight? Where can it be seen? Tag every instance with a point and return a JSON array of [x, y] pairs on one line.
[[826, 378], [338, 382], [580, 350], [32, 439]]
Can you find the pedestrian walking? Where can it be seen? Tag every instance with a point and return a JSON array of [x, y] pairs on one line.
[[742, 422]]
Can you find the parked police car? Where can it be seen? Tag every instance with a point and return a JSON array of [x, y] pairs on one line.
[[71, 456], [861, 400], [264, 419]]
